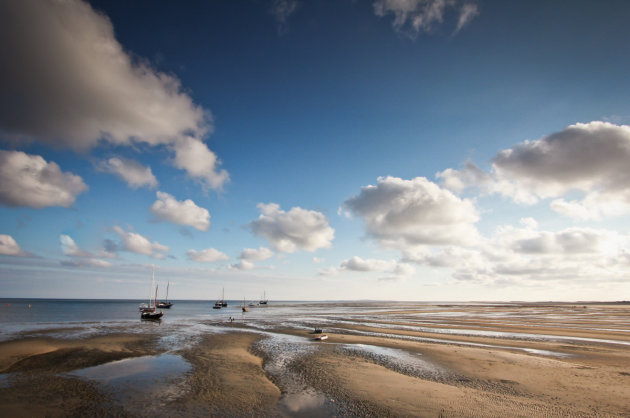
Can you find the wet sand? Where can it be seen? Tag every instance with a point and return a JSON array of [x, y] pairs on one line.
[[536, 360]]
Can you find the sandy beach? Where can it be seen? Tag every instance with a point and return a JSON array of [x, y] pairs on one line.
[[494, 360]]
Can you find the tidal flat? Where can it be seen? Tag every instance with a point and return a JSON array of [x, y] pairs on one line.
[[380, 359]]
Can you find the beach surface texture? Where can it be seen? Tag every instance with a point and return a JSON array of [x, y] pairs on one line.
[[380, 359]]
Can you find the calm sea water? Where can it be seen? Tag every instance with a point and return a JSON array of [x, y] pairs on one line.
[[71, 317]]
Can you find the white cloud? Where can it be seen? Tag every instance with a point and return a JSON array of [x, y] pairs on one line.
[[139, 244], [249, 255], [69, 247], [414, 16], [243, 265], [359, 264], [519, 256], [583, 157], [296, 229], [588, 158], [458, 180], [28, 180], [86, 259], [8, 246], [92, 91], [209, 255], [405, 213], [395, 269], [256, 254], [571, 241], [180, 212], [135, 174], [200, 162]]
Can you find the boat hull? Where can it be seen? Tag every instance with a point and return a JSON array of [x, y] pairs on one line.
[[151, 316]]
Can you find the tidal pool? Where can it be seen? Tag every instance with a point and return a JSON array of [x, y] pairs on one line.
[[142, 384]]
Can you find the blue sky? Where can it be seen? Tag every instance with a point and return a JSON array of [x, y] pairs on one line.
[[375, 149]]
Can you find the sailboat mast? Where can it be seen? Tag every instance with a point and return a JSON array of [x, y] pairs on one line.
[[152, 282]]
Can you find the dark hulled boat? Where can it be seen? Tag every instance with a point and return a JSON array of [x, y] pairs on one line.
[[165, 304], [150, 312]]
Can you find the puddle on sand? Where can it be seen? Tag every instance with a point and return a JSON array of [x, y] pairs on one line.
[[141, 384], [307, 403]]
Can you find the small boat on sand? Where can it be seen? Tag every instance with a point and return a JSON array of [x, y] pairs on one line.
[[322, 337]]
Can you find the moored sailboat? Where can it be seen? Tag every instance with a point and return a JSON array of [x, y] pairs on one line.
[[264, 300], [151, 312], [165, 304]]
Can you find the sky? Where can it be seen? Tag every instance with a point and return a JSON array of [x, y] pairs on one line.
[[430, 150]]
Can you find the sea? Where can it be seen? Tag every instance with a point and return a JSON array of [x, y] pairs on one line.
[[73, 318]]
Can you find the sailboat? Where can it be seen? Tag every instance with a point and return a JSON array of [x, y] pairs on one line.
[[166, 304], [144, 307], [219, 303], [151, 312], [263, 301], [223, 302], [243, 307]]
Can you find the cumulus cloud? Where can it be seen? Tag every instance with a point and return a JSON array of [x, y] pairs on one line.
[[296, 229], [180, 212], [405, 213], [571, 241], [580, 157], [359, 264], [521, 255], [209, 255], [281, 10], [92, 91], [29, 180], [249, 255], [132, 172], [469, 175], [193, 155], [588, 158], [256, 254], [414, 16], [8, 246], [139, 244], [243, 265]]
